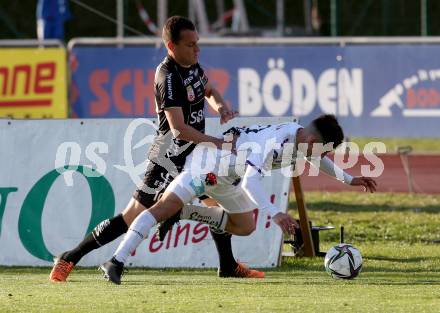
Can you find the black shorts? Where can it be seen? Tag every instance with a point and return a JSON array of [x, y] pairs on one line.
[[155, 181]]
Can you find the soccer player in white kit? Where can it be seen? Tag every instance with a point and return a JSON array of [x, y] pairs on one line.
[[270, 147]]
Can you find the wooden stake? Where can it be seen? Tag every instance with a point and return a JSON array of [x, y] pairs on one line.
[[306, 232]]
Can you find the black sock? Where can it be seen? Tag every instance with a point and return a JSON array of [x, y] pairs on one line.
[[102, 234], [224, 249], [114, 261]]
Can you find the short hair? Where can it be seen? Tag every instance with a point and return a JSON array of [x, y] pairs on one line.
[[329, 129], [174, 26]]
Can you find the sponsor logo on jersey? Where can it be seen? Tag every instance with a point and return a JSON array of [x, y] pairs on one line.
[[188, 80], [197, 117], [169, 86], [190, 93], [204, 80]]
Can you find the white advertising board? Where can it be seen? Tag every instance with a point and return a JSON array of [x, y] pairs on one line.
[[45, 210]]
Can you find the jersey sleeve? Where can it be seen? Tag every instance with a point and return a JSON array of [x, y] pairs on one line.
[[327, 166], [170, 89], [268, 139]]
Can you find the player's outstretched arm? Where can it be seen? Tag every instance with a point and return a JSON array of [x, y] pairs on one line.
[[327, 166], [253, 187], [186, 132]]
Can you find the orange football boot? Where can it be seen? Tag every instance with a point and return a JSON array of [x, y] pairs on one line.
[[242, 271], [61, 269]]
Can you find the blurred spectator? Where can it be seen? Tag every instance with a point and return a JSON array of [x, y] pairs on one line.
[[51, 15]]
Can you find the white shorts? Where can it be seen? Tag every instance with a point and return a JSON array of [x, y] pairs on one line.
[[233, 199]]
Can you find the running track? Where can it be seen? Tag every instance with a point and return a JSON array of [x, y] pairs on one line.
[[425, 171]]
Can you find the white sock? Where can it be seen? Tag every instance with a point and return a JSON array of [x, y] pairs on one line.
[[137, 232], [214, 216]]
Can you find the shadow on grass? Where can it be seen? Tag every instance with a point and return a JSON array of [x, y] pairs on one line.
[[331, 206], [401, 260], [316, 281], [386, 268]]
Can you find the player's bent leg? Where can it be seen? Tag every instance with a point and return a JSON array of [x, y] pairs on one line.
[[239, 207], [175, 195], [105, 232], [183, 187], [223, 245], [110, 229], [167, 206], [239, 270], [209, 201], [132, 210], [241, 224], [164, 227], [234, 200], [138, 231]]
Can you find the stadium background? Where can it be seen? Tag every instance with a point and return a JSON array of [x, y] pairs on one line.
[[355, 18], [383, 65], [379, 223]]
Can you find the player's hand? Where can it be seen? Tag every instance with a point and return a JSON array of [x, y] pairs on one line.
[[226, 115], [231, 141], [368, 183], [287, 223]]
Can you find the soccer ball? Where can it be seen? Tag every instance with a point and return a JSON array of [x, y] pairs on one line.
[[343, 261]]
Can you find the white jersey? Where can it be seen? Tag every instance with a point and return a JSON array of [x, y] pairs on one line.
[[267, 143], [260, 148]]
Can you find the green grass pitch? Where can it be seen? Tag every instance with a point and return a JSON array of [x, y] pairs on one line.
[[396, 234]]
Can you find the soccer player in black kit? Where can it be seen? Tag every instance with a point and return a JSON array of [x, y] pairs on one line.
[[181, 87]]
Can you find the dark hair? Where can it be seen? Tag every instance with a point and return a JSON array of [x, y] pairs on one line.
[[329, 129], [173, 26]]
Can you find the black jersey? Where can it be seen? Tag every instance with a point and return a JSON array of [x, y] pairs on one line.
[[177, 86]]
